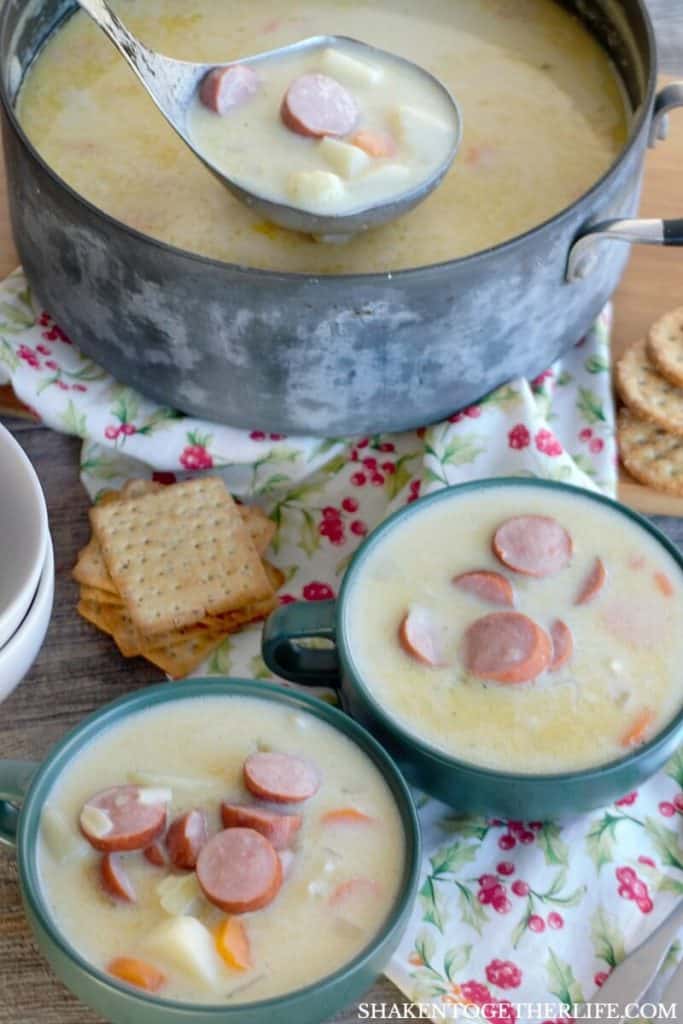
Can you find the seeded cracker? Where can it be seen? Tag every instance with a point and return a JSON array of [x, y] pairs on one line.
[[93, 612], [650, 454], [91, 570], [261, 528], [649, 395], [99, 596], [180, 554], [665, 346], [181, 659]]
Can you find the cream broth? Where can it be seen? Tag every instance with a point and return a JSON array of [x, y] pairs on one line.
[[542, 109], [628, 644], [395, 104], [197, 749]]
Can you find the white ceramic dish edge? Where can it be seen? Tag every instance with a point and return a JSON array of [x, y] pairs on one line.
[[27, 549], [21, 650]]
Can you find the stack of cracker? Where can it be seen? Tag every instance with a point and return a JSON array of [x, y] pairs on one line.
[[650, 383], [171, 570]]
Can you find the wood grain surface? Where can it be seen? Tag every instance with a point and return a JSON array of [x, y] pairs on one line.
[[77, 669], [653, 283]]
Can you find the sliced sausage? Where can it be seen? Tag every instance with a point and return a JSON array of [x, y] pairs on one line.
[[593, 583], [115, 879], [185, 837], [281, 778], [533, 545], [122, 818], [279, 829], [487, 586], [239, 870], [563, 644], [317, 105], [155, 855], [419, 637], [225, 88], [507, 647]]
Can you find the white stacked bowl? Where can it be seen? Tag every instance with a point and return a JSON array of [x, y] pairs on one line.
[[26, 564]]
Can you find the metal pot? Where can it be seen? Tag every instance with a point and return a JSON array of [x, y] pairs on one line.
[[332, 354]]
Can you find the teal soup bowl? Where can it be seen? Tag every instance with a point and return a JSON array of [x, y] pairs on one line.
[[24, 789], [313, 643]]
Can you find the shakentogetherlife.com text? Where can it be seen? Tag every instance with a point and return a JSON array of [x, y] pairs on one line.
[[523, 1012]]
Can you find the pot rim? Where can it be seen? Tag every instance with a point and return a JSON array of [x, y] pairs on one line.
[[640, 119], [414, 742], [67, 749]]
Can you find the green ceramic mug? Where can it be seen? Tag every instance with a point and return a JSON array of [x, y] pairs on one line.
[[23, 791], [466, 787]]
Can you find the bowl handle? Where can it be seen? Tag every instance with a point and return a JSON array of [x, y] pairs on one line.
[[583, 255], [15, 778], [302, 620]]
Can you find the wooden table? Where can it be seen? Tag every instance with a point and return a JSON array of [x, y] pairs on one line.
[[76, 671]]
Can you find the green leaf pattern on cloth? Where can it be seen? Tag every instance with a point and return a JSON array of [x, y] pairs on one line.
[[506, 910]]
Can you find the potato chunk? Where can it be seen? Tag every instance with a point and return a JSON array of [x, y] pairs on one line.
[[316, 190], [95, 821], [178, 893], [347, 160], [183, 942], [420, 131], [61, 839], [152, 795], [207, 787], [349, 70], [390, 177]]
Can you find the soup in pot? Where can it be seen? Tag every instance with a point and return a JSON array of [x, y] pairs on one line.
[[543, 110]]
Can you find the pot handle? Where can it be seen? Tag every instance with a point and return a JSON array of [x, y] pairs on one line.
[[584, 251], [15, 778], [302, 620]]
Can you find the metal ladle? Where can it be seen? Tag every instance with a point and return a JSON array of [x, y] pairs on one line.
[[173, 85]]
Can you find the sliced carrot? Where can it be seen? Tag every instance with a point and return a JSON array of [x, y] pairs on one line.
[[376, 144], [137, 972], [354, 887], [663, 584], [635, 733], [347, 816], [232, 942]]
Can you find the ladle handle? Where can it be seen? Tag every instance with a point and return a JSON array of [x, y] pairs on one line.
[[128, 46], [154, 71]]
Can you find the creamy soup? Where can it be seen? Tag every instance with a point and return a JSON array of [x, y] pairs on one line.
[[339, 847], [331, 130], [542, 109], [560, 670]]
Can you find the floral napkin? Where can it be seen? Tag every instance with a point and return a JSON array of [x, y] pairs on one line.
[[508, 912]]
